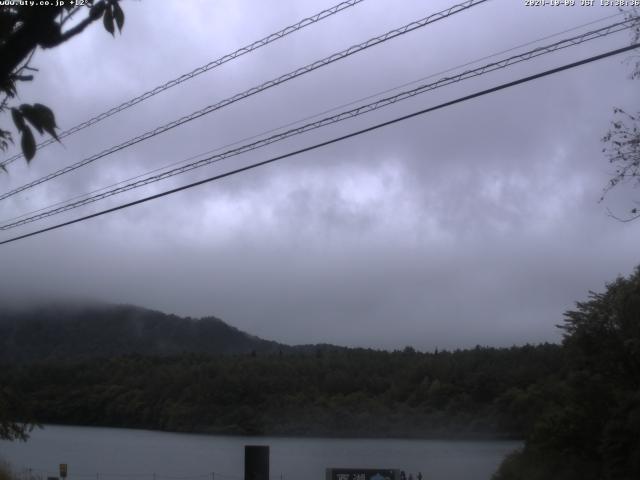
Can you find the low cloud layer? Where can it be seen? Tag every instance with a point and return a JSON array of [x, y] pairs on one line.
[[476, 224]]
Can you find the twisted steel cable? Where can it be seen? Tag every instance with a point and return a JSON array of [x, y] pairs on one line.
[[296, 122], [370, 107], [188, 76], [254, 90], [341, 138]]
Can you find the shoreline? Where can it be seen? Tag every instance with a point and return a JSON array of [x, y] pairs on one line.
[[302, 435]]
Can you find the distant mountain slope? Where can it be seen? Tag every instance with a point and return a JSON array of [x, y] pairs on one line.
[[72, 332]]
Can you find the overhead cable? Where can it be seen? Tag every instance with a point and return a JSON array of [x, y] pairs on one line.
[[384, 102], [254, 90], [194, 73], [330, 142], [311, 117]]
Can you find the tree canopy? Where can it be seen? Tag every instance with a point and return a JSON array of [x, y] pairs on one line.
[[24, 28], [592, 429]]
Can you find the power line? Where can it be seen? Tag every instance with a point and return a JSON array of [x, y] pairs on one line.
[[342, 116], [254, 90], [332, 141], [491, 67], [194, 73], [296, 122]]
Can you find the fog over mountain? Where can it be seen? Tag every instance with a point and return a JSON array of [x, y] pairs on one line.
[[66, 331]]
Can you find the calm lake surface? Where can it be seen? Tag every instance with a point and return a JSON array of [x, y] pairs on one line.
[[117, 454]]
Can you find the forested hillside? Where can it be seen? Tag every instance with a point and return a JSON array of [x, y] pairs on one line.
[[82, 331], [483, 391]]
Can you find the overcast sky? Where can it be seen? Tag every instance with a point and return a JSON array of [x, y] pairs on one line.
[[475, 224]]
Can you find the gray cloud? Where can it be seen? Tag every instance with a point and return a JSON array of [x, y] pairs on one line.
[[475, 224]]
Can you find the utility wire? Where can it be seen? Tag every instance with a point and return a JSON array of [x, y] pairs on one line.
[[194, 73], [491, 67], [343, 116], [299, 121], [254, 90], [333, 140]]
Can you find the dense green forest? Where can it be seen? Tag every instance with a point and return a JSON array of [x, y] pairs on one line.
[[483, 391]]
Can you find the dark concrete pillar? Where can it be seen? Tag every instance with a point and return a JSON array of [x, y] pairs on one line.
[[256, 462]]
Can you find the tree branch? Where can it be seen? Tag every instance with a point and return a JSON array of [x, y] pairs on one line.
[[39, 28], [80, 26], [623, 220], [69, 15]]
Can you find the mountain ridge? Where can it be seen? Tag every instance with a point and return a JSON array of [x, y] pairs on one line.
[[75, 331]]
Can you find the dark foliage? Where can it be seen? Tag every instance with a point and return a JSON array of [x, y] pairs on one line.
[[23, 29], [15, 416], [336, 392], [592, 428]]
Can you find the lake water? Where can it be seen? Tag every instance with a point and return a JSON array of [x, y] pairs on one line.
[[118, 454]]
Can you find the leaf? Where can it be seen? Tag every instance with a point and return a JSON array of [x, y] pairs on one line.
[[5, 135], [18, 119], [96, 10], [47, 119], [118, 14], [41, 117], [28, 144], [23, 78], [107, 20], [8, 86], [31, 114]]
